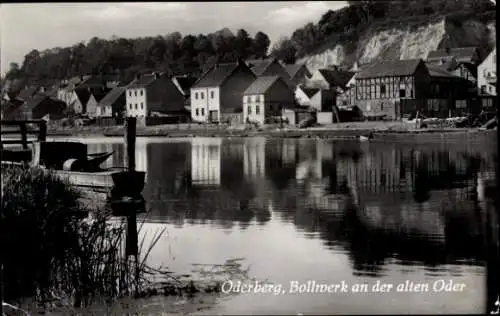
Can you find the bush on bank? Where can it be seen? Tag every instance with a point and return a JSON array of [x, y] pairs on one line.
[[49, 252]]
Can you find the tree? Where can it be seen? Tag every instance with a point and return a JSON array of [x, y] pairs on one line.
[[261, 44], [284, 50], [243, 44]]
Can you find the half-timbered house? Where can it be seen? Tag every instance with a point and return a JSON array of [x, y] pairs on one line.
[[390, 89]]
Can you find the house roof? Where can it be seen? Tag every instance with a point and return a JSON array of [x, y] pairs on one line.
[[112, 96], [261, 84], [336, 77], [142, 81], [100, 94], [27, 93], [460, 53], [310, 92], [259, 66], [216, 75], [185, 82], [83, 94], [294, 69], [390, 68], [35, 101]]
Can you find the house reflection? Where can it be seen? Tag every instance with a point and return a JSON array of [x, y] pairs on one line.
[[254, 157], [416, 205], [206, 162]]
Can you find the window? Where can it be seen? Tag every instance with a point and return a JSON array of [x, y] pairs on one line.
[[490, 89], [196, 95], [382, 89], [202, 112], [212, 94], [142, 106], [197, 112], [461, 104], [483, 89], [142, 92], [136, 106], [402, 93], [202, 95], [135, 92], [249, 110], [129, 93], [257, 109], [257, 98]]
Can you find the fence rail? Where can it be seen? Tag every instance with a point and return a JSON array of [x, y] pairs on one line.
[[24, 129]]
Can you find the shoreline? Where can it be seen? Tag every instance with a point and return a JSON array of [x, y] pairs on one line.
[[379, 134]]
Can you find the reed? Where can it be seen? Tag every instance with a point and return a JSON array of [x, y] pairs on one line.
[[49, 253]]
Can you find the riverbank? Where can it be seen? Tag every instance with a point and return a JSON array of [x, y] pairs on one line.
[[382, 131]]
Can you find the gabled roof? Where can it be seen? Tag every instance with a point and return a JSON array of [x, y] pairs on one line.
[[310, 92], [83, 94], [100, 94], [336, 77], [259, 66], [294, 69], [262, 84], [460, 53], [143, 81], [217, 74], [112, 96], [185, 82], [27, 93], [390, 68]]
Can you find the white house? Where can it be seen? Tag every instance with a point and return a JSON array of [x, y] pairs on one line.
[[487, 79], [153, 93], [265, 98], [218, 92]]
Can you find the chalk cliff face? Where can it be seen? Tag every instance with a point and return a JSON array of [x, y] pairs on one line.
[[406, 42]]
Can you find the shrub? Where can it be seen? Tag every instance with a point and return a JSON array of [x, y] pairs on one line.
[[47, 250]]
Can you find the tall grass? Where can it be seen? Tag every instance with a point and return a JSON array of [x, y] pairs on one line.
[[48, 252]]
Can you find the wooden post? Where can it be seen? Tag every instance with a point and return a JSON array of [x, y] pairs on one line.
[[24, 135], [42, 135], [130, 135], [131, 239], [1, 288]]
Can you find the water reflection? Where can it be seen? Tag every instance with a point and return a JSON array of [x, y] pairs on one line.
[[379, 203]]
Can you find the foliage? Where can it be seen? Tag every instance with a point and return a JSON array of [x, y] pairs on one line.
[[173, 53], [360, 14], [48, 251]]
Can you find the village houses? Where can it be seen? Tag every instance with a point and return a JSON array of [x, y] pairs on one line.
[[95, 97], [269, 67], [113, 104], [217, 95], [153, 94], [265, 98], [298, 74], [390, 89], [487, 81]]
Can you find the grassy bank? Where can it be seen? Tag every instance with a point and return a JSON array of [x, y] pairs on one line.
[[54, 259]]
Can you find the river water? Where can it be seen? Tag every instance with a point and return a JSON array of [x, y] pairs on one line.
[[330, 212]]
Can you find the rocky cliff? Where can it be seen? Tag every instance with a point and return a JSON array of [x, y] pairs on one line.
[[405, 41]]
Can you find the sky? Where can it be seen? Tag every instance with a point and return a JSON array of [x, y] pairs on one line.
[[27, 26]]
